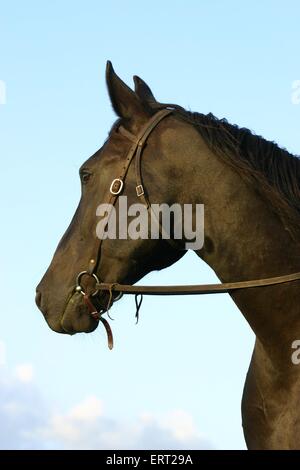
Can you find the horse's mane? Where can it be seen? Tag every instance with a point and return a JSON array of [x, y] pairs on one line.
[[273, 170]]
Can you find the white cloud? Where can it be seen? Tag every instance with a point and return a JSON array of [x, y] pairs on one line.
[[24, 372], [88, 410], [22, 411], [69, 427], [181, 424], [62, 429], [86, 426], [27, 421]]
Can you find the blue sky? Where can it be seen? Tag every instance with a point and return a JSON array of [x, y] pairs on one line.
[[175, 379]]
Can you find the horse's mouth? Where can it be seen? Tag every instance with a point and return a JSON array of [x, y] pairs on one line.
[[76, 317], [88, 316]]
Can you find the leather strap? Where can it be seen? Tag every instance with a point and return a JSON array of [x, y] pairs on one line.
[[116, 187], [140, 189], [226, 287], [96, 315]]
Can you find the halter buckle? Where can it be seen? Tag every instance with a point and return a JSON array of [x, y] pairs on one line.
[[116, 186], [139, 190]]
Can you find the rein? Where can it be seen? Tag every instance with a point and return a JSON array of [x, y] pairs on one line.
[[196, 289], [116, 187]]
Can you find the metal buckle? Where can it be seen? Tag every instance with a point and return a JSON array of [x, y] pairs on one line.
[[120, 184], [139, 190], [78, 286]]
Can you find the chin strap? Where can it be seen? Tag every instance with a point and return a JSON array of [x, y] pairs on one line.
[[97, 316]]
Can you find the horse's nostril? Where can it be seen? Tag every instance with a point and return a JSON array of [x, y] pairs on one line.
[[38, 298]]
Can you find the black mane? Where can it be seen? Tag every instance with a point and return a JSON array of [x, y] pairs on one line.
[[275, 171]]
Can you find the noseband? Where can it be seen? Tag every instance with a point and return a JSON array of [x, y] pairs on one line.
[[116, 187]]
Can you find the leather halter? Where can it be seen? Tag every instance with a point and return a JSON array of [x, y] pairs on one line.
[[116, 187]]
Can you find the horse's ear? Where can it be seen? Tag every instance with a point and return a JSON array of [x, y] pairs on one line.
[[146, 96], [125, 101], [143, 90]]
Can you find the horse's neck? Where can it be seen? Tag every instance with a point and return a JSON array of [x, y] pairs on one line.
[[245, 239]]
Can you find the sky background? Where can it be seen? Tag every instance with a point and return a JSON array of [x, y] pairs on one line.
[[175, 380]]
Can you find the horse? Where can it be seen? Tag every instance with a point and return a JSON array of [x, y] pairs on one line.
[[250, 191]]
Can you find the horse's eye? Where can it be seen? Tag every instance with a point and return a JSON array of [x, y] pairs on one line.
[[84, 176]]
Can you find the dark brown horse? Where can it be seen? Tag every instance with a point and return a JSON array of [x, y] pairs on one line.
[[250, 189]]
